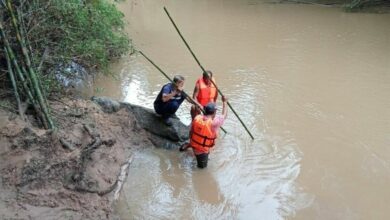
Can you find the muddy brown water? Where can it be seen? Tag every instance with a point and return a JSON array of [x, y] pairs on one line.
[[311, 83]]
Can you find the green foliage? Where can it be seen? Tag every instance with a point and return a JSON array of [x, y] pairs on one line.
[[348, 5], [6, 104], [99, 90], [366, 5], [38, 37], [89, 32], [353, 5], [50, 83]]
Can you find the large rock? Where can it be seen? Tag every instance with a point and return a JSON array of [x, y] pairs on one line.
[[73, 75], [161, 135], [108, 105]]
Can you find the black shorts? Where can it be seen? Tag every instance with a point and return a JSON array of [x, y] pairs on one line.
[[202, 160]]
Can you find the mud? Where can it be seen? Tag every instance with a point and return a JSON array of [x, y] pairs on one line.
[[70, 173]]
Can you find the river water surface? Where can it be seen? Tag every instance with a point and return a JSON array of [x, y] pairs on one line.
[[311, 83]]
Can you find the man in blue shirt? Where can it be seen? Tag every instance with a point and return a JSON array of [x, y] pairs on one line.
[[169, 99]]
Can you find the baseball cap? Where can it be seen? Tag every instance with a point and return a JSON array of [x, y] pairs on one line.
[[210, 108]]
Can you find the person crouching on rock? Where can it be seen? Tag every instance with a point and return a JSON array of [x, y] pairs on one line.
[[169, 99], [204, 131]]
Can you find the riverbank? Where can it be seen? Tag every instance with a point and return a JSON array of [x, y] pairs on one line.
[[74, 172], [378, 6]]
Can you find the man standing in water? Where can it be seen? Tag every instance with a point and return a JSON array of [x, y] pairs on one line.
[[204, 92], [204, 131], [169, 99]]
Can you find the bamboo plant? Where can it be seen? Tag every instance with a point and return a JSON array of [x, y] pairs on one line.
[[24, 71]]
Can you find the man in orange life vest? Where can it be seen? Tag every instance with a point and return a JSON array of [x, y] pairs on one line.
[[204, 131], [204, 92]]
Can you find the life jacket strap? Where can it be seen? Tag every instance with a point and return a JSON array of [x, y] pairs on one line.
[[205, 138]]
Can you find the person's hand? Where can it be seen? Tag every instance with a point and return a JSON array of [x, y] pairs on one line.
[[199, 107], [177, 92], [224, 99]]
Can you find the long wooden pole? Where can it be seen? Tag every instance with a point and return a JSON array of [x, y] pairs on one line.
[[200, 65], [188, 97]]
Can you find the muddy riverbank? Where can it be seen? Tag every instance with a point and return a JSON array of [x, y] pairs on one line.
[[74, 172], [377, 6]]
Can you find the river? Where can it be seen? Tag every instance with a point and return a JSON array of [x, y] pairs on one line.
[[311, 83]]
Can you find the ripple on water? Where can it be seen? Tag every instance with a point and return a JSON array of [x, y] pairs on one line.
[[245, 179], [261, 177]]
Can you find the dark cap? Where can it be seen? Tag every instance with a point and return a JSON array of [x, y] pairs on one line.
[[210, 108]]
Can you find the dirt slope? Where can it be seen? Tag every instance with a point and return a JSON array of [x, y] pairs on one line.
[[69, 173]]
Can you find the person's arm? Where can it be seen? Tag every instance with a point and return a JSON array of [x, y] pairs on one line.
[[195, 94], [220, 119], [167, 94], [196, 91], [224, 107], [216, 97], [213, 84]]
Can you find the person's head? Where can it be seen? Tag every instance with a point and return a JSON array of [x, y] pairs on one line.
[[207, 75], [210, 109], [178, 80]]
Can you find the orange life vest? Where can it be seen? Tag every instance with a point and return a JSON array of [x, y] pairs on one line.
[[202, 136], [206, 93]]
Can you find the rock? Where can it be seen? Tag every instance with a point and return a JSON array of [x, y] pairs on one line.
[[158, 141], [73, 75], [108, 105], [161, 135], [154, 124]]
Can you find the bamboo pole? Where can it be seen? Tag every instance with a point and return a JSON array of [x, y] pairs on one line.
[[24, 37], [189, 99], [21, 76], [12, 78], [200, 65], [31, 72]]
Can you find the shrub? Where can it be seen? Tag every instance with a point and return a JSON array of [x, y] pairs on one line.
[[88, 32], [39, 36]]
